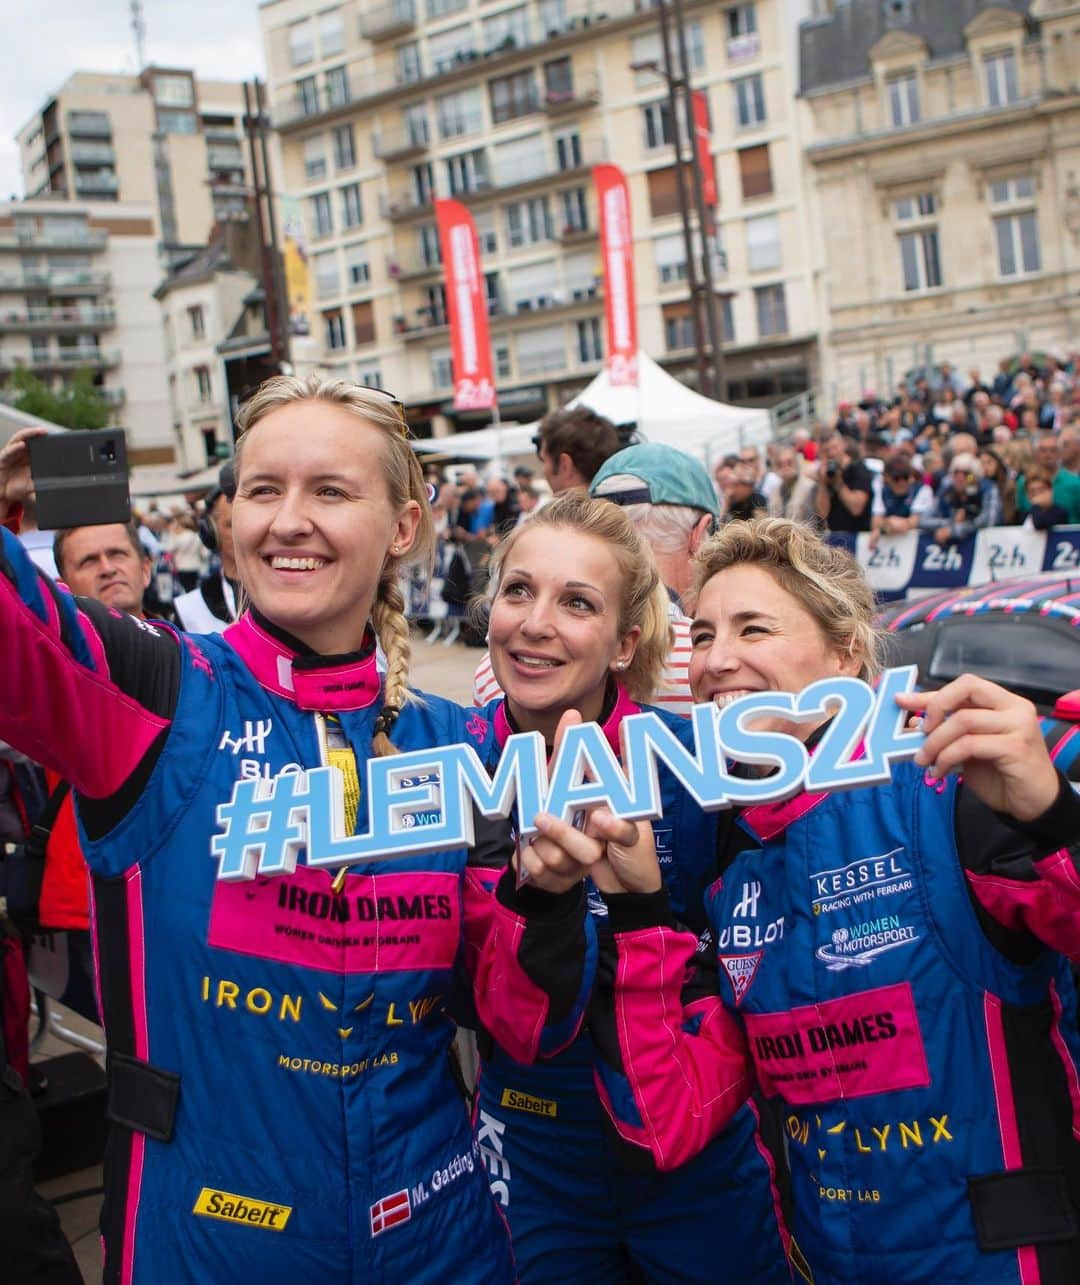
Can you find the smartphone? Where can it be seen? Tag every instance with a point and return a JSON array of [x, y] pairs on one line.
[[80, 478]]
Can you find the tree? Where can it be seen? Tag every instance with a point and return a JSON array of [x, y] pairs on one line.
[[78, 405]]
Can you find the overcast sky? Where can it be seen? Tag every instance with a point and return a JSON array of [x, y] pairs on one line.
[[44, 41]]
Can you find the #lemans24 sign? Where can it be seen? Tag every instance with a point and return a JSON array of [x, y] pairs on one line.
[[423, 801]]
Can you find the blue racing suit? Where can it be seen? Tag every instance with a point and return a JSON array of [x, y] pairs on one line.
[[282, 1102], [888, 963], [579, 1207]]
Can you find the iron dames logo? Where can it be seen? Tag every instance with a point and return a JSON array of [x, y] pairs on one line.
[[859, 945]]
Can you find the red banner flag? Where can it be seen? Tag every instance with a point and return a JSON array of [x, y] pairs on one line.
[[474, 388], [617, 249], [703, 145]]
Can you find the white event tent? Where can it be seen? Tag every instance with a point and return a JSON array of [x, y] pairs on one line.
[[663, 409]]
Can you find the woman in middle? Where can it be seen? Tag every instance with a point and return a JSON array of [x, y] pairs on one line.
[[579, 622]]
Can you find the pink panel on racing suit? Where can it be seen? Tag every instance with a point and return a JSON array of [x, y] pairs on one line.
[[850, 1047], [379, 924], [1048, 907]]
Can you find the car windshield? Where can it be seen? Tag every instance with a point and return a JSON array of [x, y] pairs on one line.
[[1029, 656]]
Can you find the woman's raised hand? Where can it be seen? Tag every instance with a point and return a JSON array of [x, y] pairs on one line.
[[992, 737]]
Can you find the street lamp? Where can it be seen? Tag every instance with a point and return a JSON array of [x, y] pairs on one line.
[[712, 383]]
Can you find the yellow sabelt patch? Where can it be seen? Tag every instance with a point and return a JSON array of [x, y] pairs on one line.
[[232, 1208], [519, 1101]]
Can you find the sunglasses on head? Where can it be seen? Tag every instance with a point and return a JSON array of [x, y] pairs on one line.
[[396, 402]]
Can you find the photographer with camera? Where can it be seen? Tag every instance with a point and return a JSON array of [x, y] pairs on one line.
[[966, 502], [844, 486]]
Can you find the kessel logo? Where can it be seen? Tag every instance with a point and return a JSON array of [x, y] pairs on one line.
[[741, 971]]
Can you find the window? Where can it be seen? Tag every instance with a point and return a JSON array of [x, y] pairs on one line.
[[430, 250], [321, 215], [491, 294], [528, 222], [559, 80], [443, 8], [503, 368], [553, 18], [450, 49], [327, 278], [344, 148], [521, 161], [649, 48], [575, 212], [1016, 226], [590, 342], [741, 21], [771, 310], [363, 318], [434, 309], [920, 258], [442, 369], [334, 329], [727, 320], [568, 150], [484, 222], [408, 62], [174, 91], [459, 113], [466, 172], [301, 45], [307, 96], [352, 212], [763, 242], [1001, 83], [337, 87], [531, 287], [204, 388], [678, 326], [749, 101], [658, 125], [512, 96], [540, 351], [670, 255], [663, 192], [357, 265], [371, 377], [331, 33], [176, 122], [423, 183], [314, 159], [903, 94], [579, 272], [507, 30], [754, 171], [416, 127]]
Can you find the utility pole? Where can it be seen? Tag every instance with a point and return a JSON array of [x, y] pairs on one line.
[[276, 317], [138, 28], [705, 224], [704, 382]]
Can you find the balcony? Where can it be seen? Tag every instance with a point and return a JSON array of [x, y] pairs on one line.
[[114, 396], [79, 239], [56, 281], [411, 268], [583, 93], [65, 359], [388, 20], [89, 125], [96, 184], [400, 145], [93, 154], [49, 320], [572, 234], [403, 204], [225, 158], [428, 325], [743, 48]]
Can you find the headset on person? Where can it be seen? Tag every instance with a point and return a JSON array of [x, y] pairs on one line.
[[226, 486]]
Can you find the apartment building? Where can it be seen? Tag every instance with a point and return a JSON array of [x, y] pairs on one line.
[[76, 291], [163, 138], [378, 110], [944, 152]]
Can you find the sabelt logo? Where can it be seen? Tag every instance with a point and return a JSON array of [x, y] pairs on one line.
[[232, 1208], [520, 1101]]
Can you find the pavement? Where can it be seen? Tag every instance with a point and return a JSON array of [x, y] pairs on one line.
[[446, 671]]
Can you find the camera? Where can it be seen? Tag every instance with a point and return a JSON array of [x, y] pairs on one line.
[[833, 469]]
